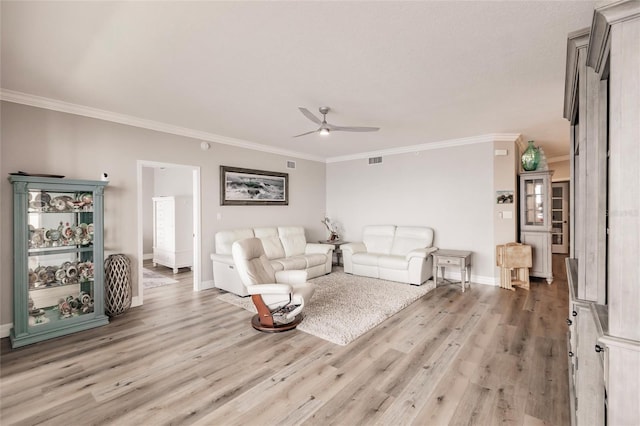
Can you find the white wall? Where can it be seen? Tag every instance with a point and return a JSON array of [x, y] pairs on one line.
[[561, 171], [172, 181], [448, 189], [44, 141]]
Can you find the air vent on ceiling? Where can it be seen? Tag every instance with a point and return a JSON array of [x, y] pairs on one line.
[[375, 160], [291, 164]]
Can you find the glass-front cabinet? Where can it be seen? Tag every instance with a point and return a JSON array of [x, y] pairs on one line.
[[58, 257], [535, 220], [535, 211]]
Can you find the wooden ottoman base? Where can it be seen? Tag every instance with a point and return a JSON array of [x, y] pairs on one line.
[[255, 323]]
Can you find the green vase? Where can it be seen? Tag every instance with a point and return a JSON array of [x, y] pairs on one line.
[[531, 158]]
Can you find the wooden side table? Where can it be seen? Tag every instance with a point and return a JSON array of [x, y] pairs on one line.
[[336, 244], [453, 258]]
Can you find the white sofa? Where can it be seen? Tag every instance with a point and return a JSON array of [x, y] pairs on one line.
[[394, 253], [286, 248]]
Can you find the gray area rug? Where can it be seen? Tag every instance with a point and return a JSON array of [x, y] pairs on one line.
[[344, 306], [151, 279]]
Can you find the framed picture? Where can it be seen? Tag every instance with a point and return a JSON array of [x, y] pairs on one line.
[[504, 197], [248, 187]]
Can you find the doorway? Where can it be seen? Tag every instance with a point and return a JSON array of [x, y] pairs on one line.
[[190, 187], [560, 217]]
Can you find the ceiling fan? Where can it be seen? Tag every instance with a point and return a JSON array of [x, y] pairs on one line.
[[325, 128]]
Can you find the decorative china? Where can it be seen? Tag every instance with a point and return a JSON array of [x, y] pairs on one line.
[[42, 201], [63, 235], [67, 273]]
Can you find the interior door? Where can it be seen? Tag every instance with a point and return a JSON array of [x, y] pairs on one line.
[[560, 217]]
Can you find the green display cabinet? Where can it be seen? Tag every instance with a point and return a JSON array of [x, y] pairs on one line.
[[58, 267]]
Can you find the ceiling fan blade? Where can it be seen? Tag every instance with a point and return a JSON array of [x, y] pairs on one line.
[[354, 129], [309, 115], [306, 133]]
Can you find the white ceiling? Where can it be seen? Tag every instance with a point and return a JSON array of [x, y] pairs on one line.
[[422, 71]]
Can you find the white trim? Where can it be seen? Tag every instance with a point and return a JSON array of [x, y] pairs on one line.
[[147, 256], [140, 236], [129, 120], [136, 301], [5, 329], [197, 228], [494, 137], [206, 285], [197, 231], [558, 159]]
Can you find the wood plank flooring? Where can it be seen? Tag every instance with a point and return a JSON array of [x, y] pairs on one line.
[[488, 356]]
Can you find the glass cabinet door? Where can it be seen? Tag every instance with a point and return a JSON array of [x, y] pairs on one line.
[[535, 203], [60, 256]]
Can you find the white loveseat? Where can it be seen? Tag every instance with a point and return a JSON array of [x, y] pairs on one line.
[[394, 253], [286, 248]]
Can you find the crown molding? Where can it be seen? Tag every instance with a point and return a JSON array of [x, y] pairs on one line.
[[576, 41], [85, 111], [493, 137], [603, 18]]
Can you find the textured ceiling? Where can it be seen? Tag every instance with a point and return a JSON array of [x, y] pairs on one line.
[[422, 71]]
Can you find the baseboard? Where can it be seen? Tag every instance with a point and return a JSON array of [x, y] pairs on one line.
[[5, 329], [135, 301], [206, 285], [147, 256]]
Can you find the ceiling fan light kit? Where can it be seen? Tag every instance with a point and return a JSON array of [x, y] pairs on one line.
[[326, 128]]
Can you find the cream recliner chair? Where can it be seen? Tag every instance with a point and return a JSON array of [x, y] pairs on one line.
[[279, 296]]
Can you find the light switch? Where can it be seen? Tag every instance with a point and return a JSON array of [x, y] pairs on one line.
[[507, 214], [219, 216]]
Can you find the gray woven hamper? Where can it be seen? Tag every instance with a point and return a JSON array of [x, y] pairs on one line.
[[117, 284]]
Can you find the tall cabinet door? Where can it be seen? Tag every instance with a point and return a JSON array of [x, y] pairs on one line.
[[560, 217]]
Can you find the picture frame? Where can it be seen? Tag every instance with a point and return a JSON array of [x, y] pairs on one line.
[[504, 197], [250, 187]]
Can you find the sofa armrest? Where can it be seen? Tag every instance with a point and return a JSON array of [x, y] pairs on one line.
[[422, 252], [269, 289], [317, 248], [354, 247], [291, 277]]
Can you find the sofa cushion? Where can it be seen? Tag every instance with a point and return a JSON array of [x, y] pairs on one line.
[[393, 262], [293, 240], [408, 238], [277, 266], [270, 242], [378, 238], [290, 263], [370, 259], [225, 239], [315, 259]]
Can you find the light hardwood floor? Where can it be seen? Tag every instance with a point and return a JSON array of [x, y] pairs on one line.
[[484, 357]]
